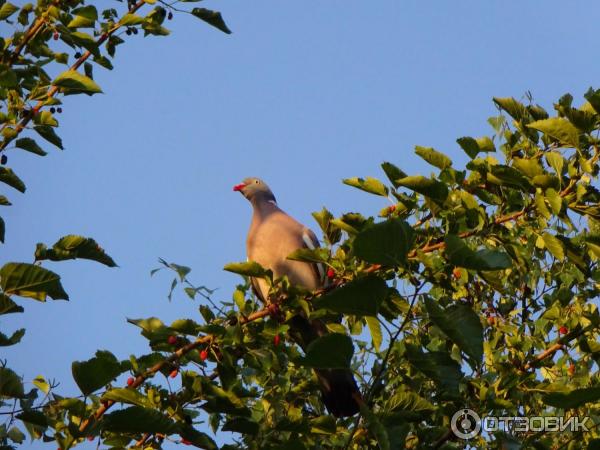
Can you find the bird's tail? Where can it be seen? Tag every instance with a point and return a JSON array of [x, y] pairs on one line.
[[340, 392]]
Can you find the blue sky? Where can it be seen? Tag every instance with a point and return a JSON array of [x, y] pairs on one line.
[[302, 94]]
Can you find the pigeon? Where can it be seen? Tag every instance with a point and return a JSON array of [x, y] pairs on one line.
[[274, 235]]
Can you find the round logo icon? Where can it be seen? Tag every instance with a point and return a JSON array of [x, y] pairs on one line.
[[465, 424]]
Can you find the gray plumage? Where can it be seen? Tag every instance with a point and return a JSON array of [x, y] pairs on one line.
[[274, 235]]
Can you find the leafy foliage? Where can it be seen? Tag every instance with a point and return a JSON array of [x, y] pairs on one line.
[[478, 287]]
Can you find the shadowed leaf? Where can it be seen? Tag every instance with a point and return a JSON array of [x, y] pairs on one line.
[[332, 351], [96, 372]]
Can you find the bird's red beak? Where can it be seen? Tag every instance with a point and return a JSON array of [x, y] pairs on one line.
[[239, 187]]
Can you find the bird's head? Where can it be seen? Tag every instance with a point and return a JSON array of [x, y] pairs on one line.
[[255, 189]]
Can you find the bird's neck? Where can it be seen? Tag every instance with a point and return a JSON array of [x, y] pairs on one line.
[[264, 206]]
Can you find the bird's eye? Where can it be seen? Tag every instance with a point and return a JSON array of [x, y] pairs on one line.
[[256, 181]]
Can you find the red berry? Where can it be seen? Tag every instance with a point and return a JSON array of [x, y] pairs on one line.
[[55, 36], [90, 438], [130, 381], [571, 369], [203, 355], [563, 330], [392, 208], [174, 373], [330, 273], [276, 339], [456, 273], [172, 340]]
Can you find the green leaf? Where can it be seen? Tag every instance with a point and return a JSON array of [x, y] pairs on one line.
[[125, 395], [4, 201], [199, 439], [16, 435], [332, 351], [433, 157], [30, 145], [393, 173], [515, 109], [375, 427], [86, 41], [136, 419], [29, 280], [33, 417], [572, 399], [375, 329], [8, 77], [9, 177], [241, 425], [459, 254], [331, 233], [438, 366], [559, 129], [361, 297], [386, 242], [434, 189], [529, 166], [73, 80], [247, 269], [409, 405], [554, 246], [130, 19], [508, 176], [15, 338], [369, 184], [462, 326], [72, 247], [85, 17], [554, 199], [41, 383], [10, 384], [219, 400], [96, 372], [316, 255], [49, 134], [556, 161], [593, 97], [7, 10], [7, 306], [213, 18]]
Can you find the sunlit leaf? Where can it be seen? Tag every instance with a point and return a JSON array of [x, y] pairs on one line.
[[30, 280]]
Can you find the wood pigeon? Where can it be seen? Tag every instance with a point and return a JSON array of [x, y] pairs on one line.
[[272, 237]]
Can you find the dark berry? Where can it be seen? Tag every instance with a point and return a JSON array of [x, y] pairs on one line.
[[55, 36], [53, 110], [77, 55], [3, 159], [134, 30], [59, 110], [128, 32], [170, 16]]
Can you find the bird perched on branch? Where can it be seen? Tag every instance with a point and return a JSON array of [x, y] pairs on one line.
[[274, 235]]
